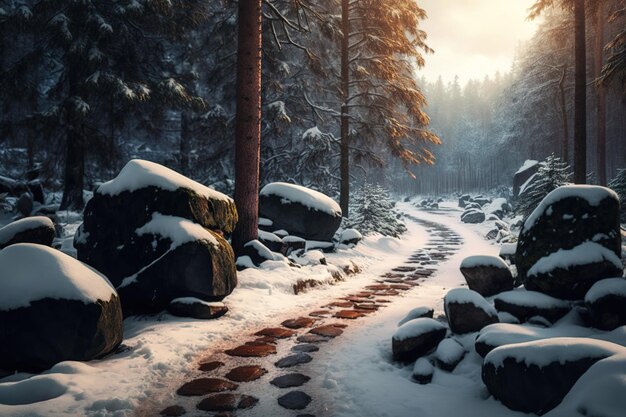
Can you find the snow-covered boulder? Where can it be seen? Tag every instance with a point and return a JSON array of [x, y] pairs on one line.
[[271, 241], [487, 275], [196, 308], [606, 301], [448, 354], [417, 338], [423, 371], [158, 235], [37, 229], [260, 253], [473, 216], [350, 237], [292, 244], [534, 377], [417, 313], [300, 210], [527, 304], [521, 177], [601, 391], [467, 311], [463, 200], [53, 308], [570, 241], [498, 207], [507, 252], [326, 247]]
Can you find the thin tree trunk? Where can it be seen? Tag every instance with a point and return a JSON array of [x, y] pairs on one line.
[[565, 127], [248, 122], [344, 194], [580, 95], [600, 95]]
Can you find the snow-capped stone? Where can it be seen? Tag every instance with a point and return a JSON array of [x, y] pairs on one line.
[[300, 210], [499, 207], [423, 371], [473, 215], [525, 304], [448, 354], [312, 257], [416, 338], [326, 247], [467, 311], [196, 308], [350, 237], [521, 177], [564, 233], [606, 301], [417, 313], [259, 253], [507, 252], [292, 244], [487, 275], [535, 376], [273, 242], [53, 308], [37, 229], [463, 200]]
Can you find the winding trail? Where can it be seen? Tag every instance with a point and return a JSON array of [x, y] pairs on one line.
[[268, 373]]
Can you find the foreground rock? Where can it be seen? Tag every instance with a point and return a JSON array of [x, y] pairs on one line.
[[423, 371], [38, 229], [417, 338], [534, 377], [487, 275], [467, 311], [525, 305], [52, 309], [300, 211], [473, 216], [196, 308], [606, 301], [570, 241], [157, 236], [449, 354]]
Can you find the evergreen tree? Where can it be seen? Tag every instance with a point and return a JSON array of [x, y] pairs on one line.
[[552, 174], [372, 211], [618, 184]]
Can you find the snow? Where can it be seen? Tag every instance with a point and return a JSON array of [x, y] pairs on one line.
[[350, 234], [495, 206], [522, 297], [193, 300], [482, 260], [413, 314], [260, 248], [292, 193], [449, 351], [467, 296], [10, 230], [265, 222], [269, 237], [583, 254], [177, 229], [138, 174], [592, 194], [508, 249], [293, 239], [606, 287], [529, 163], [559, 349], [245, 262], [417, 327], [423, 367], [500, 334], [33, 272]]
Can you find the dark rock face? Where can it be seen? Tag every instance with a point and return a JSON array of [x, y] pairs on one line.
[[290, 380], [564, 224], [463, 200], [524, 311], [49, 331], [299, 219], [522, 176], [488, 280], [473, 216], [294, 400], [608, 311], [411, 348], [197, 310], [39, 230], [467, 317]]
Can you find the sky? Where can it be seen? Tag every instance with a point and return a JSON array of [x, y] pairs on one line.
[[473, 38]]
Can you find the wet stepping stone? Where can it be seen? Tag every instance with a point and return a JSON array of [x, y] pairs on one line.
[[312, 338], [210, 366], [342, 304], [320, 313], [404, 269], [393, 280], [381, 300], [355, 300], [290, 380], [246, 373], [364, 294], [361, 311], [293, 360], [377, 287], [366, 307], [295, 400], [401, 287], [299, 323], [412, 284], [263, 341], [390, 275], [252, 351], [276, 332], [227, 402], [203, 386], [327, 331], [348, 314], [173, 411], [305, 347]]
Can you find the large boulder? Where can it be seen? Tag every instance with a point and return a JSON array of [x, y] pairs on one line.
[[487, 275], [473, 216], [521, 177], [606, 302], [38, 229], [300, 211], [417, 338], [468, 311], [534, 377], [53, 308], [570, 241], [525, 305], [157, 236]]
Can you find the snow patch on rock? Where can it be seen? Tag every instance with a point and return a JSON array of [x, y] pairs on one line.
[[292, 193]]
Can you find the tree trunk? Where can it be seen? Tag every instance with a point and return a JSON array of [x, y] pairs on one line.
[[344, 195], [600, 95], [565, 127], [248, 122], [580, 95], [183, 146]]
